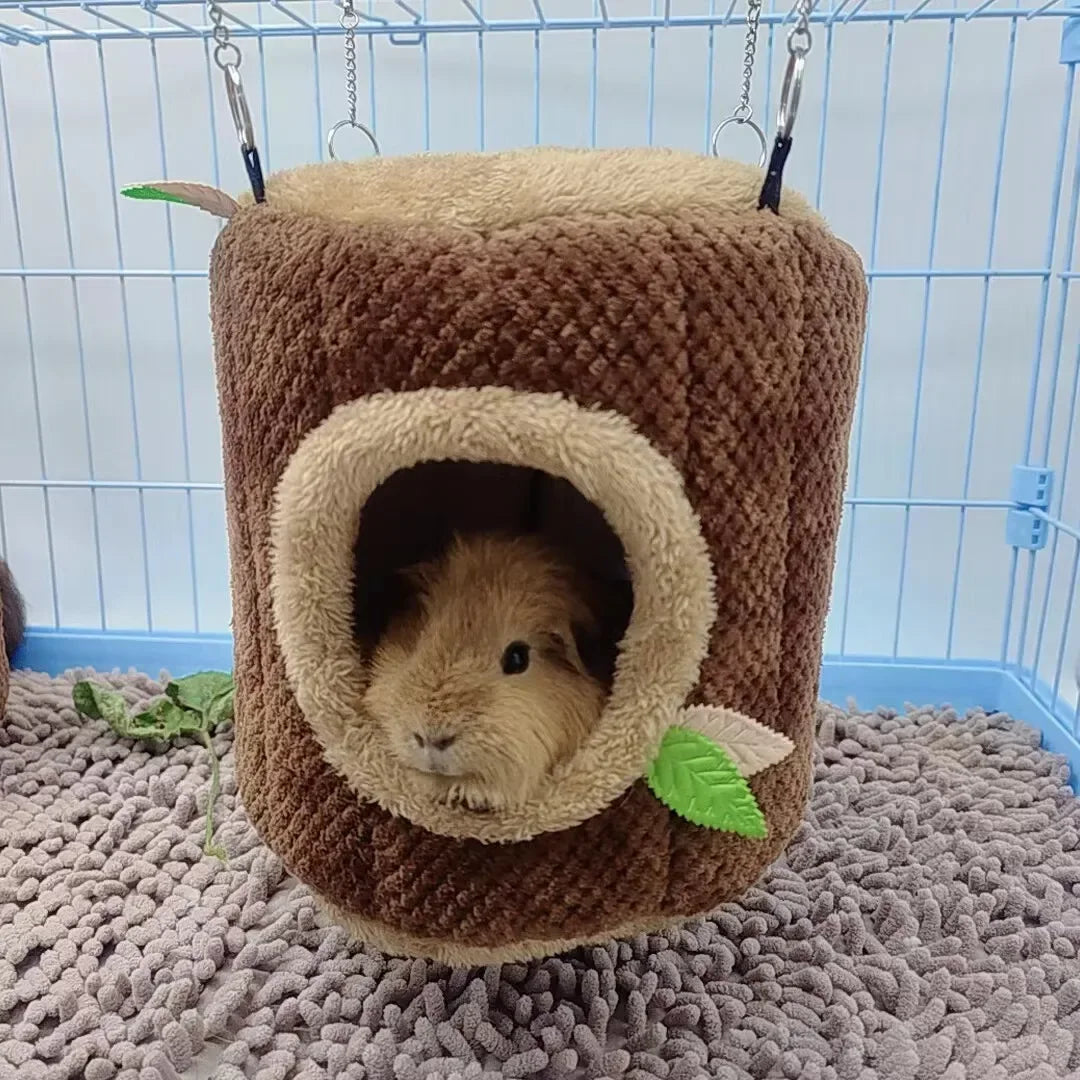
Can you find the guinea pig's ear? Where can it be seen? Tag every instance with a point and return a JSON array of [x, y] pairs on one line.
[[561, 648], [418, 579]]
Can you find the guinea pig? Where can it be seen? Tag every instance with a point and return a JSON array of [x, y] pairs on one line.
[[478, 685], [12, 611]]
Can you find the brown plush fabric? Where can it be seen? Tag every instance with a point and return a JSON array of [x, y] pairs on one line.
[[5, 674], [729, 337]]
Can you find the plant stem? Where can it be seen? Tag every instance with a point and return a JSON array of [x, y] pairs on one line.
[[209, 847]]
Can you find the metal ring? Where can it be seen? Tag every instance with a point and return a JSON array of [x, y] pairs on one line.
[[234, 54], [238, 106], [800, 41], [332, 134], [742, 123], [349, 20], [790, 92]]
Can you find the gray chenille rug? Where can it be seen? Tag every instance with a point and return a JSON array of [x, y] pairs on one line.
[[924, 924]]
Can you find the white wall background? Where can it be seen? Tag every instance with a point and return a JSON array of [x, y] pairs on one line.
[[129, 112]]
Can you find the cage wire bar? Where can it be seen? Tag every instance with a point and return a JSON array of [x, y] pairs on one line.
[[405, 23], [919, 648]]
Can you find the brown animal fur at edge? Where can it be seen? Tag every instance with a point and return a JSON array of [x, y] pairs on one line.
[[730, 340], [12, 612], [12, 625], [5, 671]]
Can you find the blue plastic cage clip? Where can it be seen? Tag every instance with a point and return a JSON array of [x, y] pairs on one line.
[[1070, 36], [1032, 485], [1026, 527], [1024, 530]]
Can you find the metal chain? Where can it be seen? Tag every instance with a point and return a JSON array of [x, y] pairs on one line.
[[799, 40], [349, 20], [744, 110], [226, 54], [743, 113]]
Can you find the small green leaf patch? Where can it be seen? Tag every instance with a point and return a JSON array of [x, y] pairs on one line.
[[694, 777]]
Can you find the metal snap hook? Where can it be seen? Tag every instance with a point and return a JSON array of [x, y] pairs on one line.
[[790, 93], [238, 106], [743, 120], [227, 57]]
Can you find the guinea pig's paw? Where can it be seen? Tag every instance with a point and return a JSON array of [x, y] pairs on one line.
[[468, 797], [435, 789]]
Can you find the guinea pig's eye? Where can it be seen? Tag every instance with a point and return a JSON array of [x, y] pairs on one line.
[[515, 659]]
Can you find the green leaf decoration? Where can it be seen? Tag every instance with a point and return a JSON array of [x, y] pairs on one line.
[[199, 690], [694, 777], [192, 707], [146, 191], [211, 199], [751, 745]]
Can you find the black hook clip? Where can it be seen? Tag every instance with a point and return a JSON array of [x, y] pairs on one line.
[[790, 92], [245, 130], [769, 199]]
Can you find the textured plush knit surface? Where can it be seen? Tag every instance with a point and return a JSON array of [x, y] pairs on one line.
[[924, 924], [4, 668], [728, 337]]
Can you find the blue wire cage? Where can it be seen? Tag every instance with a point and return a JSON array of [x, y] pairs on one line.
[[936, 136]]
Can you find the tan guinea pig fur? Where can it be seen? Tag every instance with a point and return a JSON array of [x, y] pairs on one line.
[[447, 685]]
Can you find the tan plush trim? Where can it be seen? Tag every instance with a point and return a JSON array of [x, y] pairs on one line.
[[486, 192], [319, 501], [388, 940]]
